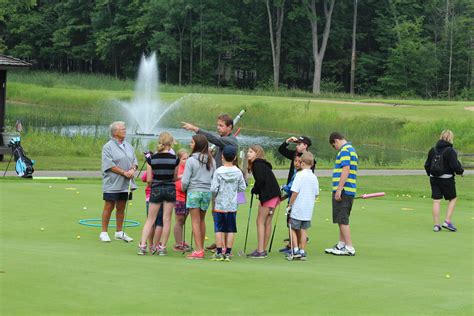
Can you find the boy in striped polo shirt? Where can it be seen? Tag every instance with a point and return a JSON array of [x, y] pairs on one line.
[[344, 178]]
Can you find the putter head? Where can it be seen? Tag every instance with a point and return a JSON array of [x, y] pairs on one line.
[[289, 257], [240, 253]]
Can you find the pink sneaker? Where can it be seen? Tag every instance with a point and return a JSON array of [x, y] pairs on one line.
[[196, 255]]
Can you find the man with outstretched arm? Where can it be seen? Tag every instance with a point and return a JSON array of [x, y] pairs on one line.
[[224, 136], [344, 178]]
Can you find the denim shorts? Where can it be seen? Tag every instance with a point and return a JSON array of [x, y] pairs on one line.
[[163, 193], [199, 200], [225, 222]]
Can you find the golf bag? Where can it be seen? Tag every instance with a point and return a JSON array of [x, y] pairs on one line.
[[24, 165]]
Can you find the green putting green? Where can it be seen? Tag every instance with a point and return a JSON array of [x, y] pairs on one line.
[[49, 264]]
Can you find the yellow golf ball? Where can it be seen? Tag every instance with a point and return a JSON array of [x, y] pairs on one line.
[[130, 203], [42, 228], [78, 237], [206, 238], [448, 276], [327, 219]]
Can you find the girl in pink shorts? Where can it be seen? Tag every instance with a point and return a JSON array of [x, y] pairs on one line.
[[268, 191]]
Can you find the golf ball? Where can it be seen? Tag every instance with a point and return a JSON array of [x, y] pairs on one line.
[[424, 196], [448, 276], [77, 192], [327, 219], [50, 186], [84, 208], [130, 203], [398, 195], [363, 207], [78, 237], [206, 238], [42, 228]]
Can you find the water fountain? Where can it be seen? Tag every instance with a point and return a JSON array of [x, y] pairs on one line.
[[145, 110]]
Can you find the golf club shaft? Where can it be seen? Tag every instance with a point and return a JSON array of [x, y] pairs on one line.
[[126, 205], [141, 169], [248, 223], [274, 229]]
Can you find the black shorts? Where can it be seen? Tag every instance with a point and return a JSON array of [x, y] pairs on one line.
[[163, 193], [443, 188], [159, 217], [341, 210], [122, 196], [225, 222]]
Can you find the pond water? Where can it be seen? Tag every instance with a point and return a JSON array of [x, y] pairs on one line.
[[376, 155]]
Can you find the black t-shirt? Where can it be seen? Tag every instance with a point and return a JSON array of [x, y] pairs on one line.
[[163, 166]]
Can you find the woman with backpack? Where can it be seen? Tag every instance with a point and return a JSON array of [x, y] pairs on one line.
[[441, 166]]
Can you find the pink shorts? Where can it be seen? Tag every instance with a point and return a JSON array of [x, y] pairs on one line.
[[273, 203]]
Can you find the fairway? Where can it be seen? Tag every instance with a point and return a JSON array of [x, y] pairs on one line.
[[401, 266]]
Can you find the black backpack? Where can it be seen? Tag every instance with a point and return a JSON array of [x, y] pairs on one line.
[[437, 162]]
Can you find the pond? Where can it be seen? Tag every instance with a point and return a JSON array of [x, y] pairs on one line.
[[373, 154]]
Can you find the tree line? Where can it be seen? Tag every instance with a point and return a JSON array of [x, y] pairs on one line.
[[403, 48]]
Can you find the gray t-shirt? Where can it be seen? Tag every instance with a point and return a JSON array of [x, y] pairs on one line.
[[220, 142], [122, 156]]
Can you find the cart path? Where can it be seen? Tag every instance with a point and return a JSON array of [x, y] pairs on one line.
[[281, 174]]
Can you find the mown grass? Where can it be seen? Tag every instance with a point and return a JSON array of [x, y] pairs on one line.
[[400, 267]]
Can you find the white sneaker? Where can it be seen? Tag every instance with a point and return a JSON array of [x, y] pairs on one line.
[[104, 237], [123, 236], [344, 252], [331, 250]]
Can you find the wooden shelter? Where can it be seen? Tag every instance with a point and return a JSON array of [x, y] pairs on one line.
[[6, 63]]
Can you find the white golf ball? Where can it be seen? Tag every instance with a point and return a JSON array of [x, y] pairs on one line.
[[363, 207], [42, 228], [327, 219], [50, 186], [448, 276], [77, 192], [206, 238], [78, 237], [84, 208]]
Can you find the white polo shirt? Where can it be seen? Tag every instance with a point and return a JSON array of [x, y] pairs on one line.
[[307, 186]]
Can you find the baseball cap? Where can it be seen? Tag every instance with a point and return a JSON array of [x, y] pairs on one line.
[[229, 151], [304, 139]]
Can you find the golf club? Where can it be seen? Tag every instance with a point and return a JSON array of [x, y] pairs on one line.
[[371, 195], [289, 257], [241, 253], [147, 157], [274, 229], [126, 208]]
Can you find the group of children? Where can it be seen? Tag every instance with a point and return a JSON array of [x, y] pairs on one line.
[[190, 184]]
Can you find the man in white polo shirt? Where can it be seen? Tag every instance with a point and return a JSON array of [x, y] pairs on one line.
[[305, 189]]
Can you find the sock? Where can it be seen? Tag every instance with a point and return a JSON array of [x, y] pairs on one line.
[[296, 249], [349, 248], [228, 251], [302, 251], [219, 250], [341, 244]]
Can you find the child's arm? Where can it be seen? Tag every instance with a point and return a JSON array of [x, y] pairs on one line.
[[215, 183], [149, 174], [186, 175], [293, 198]]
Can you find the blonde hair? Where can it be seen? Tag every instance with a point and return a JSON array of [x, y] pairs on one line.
[[182, 152], [447, 135], [260, 153], [307, 158], [164, 140]]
